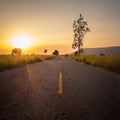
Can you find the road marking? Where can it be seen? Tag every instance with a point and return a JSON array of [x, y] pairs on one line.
[[60, 87]]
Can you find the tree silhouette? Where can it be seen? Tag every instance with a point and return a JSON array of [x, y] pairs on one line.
[[16, 51], [45, 51], [56, 52], [80, 29]]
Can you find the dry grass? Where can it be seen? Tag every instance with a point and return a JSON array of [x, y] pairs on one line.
[[8, 61], [108, 62]]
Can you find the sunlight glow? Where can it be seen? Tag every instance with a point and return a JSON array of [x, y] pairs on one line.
[[21, 41]]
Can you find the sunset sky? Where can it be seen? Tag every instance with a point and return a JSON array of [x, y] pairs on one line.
[[48, 23]]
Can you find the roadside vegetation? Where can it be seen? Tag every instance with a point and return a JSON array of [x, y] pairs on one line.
[[107, 62], [8, 61]]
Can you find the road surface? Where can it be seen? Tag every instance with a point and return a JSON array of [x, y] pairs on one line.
[[59, 89]]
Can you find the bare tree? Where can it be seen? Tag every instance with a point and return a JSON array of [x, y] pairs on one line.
[[80, 29]]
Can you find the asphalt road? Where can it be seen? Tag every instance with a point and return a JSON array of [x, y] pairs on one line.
[[59, 89]]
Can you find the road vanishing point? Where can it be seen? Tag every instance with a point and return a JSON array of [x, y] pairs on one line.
[[59, 89]]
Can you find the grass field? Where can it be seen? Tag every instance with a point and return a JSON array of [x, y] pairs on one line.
[[107, 62], [9, 62]]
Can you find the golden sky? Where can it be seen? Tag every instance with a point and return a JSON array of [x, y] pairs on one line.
[[48, 23]]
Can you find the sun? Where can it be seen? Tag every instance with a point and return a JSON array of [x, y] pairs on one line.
[[21, 41]]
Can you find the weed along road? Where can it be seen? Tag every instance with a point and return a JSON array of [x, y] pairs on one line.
[[59, 89]]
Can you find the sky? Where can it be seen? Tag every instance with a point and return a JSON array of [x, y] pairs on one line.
[[48, 23]]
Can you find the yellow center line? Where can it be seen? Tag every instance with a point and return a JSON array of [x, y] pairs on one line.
[[60, 87]]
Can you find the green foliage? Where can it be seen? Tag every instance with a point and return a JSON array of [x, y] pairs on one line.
[[80, 28], [8, 61], [108, 62], [16, 51], [45, 51], [56, 52]]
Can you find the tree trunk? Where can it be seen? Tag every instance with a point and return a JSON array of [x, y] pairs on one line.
[[79, 48]]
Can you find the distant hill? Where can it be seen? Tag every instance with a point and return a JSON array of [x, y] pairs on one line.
[[104, 50]]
